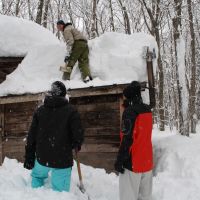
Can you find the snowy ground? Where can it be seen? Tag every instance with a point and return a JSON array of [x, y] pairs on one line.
[[176, 175]]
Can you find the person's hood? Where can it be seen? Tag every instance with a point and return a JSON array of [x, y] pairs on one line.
[[55, 101]]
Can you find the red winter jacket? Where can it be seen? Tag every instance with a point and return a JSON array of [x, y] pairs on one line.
[[135, 152]]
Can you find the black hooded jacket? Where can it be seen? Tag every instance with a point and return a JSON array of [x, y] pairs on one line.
[[55, 130]]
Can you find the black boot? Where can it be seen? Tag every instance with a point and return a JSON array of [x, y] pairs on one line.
[[87, 79], [66, 76]]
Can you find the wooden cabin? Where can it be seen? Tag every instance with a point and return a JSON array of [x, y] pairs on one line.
[[8, 65], [100, 110]]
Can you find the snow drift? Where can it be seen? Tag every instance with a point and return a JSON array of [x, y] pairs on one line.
[[176, 175]]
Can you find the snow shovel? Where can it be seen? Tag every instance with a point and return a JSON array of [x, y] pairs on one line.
[[81, 186]]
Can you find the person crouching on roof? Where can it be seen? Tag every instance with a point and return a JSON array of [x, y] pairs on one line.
[[135, 156], [78, 51], [55, 130]]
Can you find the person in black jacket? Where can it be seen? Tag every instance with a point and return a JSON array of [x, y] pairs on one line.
[[135, 156], [55, 130]]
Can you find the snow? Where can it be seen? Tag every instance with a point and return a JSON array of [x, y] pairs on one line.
[[115, 58], [15, 184], [176, 175], [177, 172], [19, 36]]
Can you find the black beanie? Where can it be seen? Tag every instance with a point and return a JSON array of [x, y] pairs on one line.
[[133, 90], [60, 22], [58, 89]]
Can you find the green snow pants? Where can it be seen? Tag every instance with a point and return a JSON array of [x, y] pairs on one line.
[[80, 53]]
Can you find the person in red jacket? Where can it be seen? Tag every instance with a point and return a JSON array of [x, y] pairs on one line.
[[135, 157]]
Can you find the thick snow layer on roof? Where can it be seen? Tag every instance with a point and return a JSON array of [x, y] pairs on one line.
[[115, 58], [18, 36]]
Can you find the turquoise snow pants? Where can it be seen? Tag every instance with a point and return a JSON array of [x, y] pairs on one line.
[[60, 178]]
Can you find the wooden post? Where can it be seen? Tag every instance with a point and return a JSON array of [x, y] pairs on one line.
[[149, 56], [1, 132], [121, 109]]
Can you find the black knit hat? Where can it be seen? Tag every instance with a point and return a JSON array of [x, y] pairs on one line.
[[133, 90], [60, 22], [58, 89]]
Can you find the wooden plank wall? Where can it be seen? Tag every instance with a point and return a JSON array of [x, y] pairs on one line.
[[8, 65], [100, 117], [101, 120], [17, 119]]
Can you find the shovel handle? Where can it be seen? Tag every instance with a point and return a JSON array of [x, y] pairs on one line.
[[78, 166]]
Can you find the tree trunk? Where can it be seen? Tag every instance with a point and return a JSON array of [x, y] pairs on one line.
[[17, 8], [126, 18], [111, 16], [160, 84], [39, 12], [29, 10], [45, 16], [192, 89], [94, 20], [176, 21]]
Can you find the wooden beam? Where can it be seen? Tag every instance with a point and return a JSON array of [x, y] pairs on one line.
[[11, 59], [73, 93], [1, 132], [21, 98], [99, 90]]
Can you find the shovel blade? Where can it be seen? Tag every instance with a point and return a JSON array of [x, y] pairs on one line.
[[81, 187]]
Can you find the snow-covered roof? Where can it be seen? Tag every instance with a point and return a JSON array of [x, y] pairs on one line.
[[18, 36], [115, 58]]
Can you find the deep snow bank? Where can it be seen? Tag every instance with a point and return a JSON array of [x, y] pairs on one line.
[[177, 172], [176, 175], [15, 184], [114, 57]]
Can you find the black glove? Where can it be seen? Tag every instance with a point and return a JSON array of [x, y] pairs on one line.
[[77, 148], [66, 59], [29, 163], [119, 167]]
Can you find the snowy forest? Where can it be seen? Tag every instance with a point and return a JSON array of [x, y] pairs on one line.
[[175, 25]]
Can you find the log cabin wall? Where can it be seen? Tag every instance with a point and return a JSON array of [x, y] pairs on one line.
[[8, 65], [100, 110], [100, 117], [15, 118]]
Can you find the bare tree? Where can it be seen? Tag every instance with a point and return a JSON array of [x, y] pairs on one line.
[[39, 12], [125, 17], [111, 16], [17, 7], [192, 89], [154, 15], [94, 28], [45, 16], [176, 21]]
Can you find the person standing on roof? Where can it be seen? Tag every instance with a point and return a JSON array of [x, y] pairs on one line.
[[78, 51], [135, 157]]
